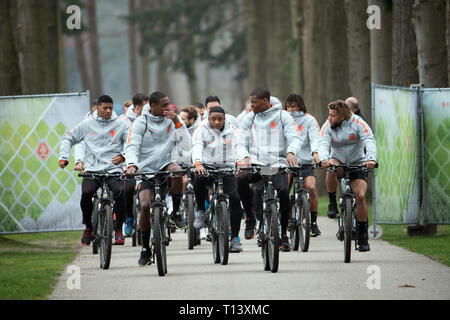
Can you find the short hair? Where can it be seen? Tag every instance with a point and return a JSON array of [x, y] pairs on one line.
[[199, 105], [156, 96], [139, 98], [352, 103], [216, 109], [191, 112], [127, 103], [104, 99], [212, 99], [297, 99], [341, 108], [261, 93]]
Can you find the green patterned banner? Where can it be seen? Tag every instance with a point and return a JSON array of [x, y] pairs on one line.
[[436, 106], [396, 132], [35, 194]]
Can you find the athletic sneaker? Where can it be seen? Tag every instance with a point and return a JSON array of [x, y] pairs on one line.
[[203, 233], [128, 229], [86, 238], [332, 210], [363, 239], [285, 246], [235, 245], [119, 239], [200, 219], [250, 228], [314, 230], [177, 221], [146, 257]]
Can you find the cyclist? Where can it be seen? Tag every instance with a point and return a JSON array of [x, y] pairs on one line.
[[348, 135], [149, 146], [270, 138], [214, 101], [215, 143], [104, 135], [133, 111], [189, 116], [309, 129]]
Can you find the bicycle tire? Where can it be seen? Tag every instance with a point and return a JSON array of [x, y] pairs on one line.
[[305, 223], [106, 228], [214, 237], [223, 232], [347, 230], [158, 241], [134, 237], [95, 226], [274, 238], [293, 227], [191, 231]]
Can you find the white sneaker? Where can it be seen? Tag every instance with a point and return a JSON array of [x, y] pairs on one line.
[[203, 233], [199, 221]]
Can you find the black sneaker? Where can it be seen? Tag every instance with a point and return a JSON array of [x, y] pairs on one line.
[[86, 238], [250, 228], [285, 246], [177, 221], [314, 230], [146, 257], [332, 210]]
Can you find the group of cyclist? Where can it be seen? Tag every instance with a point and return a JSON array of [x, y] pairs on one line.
[[152, 136]]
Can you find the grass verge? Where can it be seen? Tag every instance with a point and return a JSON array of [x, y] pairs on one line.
[[436, 247], [30, 264]]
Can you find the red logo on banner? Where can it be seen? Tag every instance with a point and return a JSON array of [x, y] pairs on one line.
[[43, 150]]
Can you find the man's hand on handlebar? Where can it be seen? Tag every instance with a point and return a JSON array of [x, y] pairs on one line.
[[131, 170], [370, 164], [199, 169]]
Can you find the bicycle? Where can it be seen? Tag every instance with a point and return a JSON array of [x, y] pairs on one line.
[[102, 233], [269, 229], [300, 218], [159, 217], [347, 224], [189, 208], [136, 236], [218, 213]]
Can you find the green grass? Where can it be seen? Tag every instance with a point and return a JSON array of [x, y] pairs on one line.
[[30, 264], [437, 246]]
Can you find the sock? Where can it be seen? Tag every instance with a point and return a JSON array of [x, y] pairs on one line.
[[332, 197], [176, 200], [145, 239], [313, 217]]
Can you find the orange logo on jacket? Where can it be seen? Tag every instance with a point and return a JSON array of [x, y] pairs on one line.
[[112, 133], [273, 124], [352, 136]]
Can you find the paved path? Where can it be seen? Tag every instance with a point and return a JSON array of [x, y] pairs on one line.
[[319, 273]]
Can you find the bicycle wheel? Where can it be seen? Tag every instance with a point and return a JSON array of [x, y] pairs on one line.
[[159, 245], [134, 237], [191, 231], [95, 226], [106, 230], [347, 230], [305, 223], [273, 243], [293, 226], [214, 236], [223, 231]]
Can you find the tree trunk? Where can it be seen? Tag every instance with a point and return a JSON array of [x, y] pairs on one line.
[[132, 49], [256, 41], [381, 45], [162, 77], [429, 18], [296, 57], [96, 88], [448, 41], [404, 49], [358, 38], [145, 55], [9, 59], [82, 63]]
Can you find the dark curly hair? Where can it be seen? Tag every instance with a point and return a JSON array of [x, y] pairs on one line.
[[295, 98], [341, 108]]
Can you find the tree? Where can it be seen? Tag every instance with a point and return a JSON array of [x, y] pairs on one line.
[[96, 84], [448, 40], [429, 17], [358, 38], [9, 60], [404, 49], [132, 49], [381, 45]]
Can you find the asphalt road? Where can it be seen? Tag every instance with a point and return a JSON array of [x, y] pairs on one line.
[[386, 272]]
